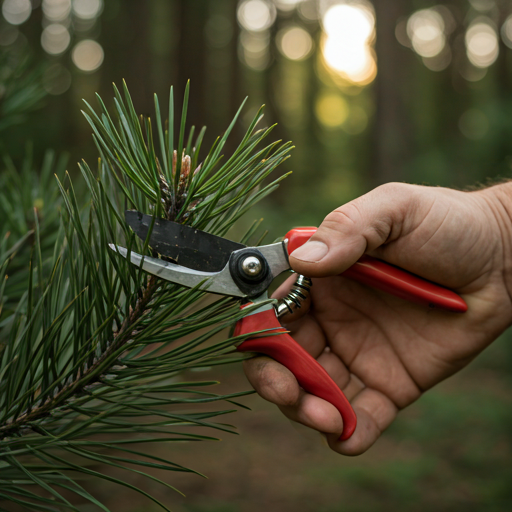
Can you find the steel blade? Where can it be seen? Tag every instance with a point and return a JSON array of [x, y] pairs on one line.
[[213, 282], [186, 246], [276, 256]]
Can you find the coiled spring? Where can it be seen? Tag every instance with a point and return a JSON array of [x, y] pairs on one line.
[[297, 295]]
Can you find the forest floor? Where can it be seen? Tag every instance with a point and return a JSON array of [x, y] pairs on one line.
[[451, 451]]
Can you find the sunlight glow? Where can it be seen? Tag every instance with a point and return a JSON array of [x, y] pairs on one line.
[[426, 30], [350, 30], [256, 15], [87, 55], [482, 43], [294, 43], [16, 12]]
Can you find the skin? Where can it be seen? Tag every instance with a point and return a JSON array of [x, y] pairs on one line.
[[382, 351]]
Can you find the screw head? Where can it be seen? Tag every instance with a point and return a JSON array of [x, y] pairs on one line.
[[251, 266]]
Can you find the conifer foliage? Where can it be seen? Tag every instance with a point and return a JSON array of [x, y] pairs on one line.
[[91, 347]]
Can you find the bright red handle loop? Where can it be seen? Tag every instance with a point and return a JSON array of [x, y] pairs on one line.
[[311, 376], [390, 279]]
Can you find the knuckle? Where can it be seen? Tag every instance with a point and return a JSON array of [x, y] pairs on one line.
[[343, 220], [392, 188]]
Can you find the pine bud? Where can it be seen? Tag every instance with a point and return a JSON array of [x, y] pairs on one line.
[[174, 162]]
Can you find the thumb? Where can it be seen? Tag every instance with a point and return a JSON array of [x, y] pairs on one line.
[[356, 227]]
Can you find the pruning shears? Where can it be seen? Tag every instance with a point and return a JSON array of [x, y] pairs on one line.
[[214, 264]]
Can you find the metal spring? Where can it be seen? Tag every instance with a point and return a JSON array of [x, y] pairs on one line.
[[297, 295]]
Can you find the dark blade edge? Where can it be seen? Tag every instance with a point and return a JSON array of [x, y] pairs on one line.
[[186, 246]]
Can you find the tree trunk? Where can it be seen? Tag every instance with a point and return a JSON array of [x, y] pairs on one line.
[[393, 134]]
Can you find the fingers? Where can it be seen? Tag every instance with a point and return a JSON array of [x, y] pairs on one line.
[[272, 381], [375, 412], [320, 414], [315, 413], [277, 384], [360, 225], [307, 333]]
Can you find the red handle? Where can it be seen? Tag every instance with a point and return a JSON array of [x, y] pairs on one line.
[[308, 372], [390, 279]]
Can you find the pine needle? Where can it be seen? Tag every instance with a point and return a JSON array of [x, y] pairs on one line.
[[89, 343]]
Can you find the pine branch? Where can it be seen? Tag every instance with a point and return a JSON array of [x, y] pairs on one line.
[[94, 346]]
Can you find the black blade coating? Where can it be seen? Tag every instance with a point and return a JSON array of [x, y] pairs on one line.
[[186, 246]]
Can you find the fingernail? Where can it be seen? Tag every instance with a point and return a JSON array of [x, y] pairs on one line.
[[311, 251]]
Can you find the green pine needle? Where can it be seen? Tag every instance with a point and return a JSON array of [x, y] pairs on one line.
[[91, 347]]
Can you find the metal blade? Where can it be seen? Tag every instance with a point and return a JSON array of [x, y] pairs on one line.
[[186, 246], [276, 256], [213, 282]]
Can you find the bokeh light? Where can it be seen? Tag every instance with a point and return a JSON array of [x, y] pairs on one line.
[[294, 42], [8, 35], [308, 10], [440, 61], [349, 21], [55, 39], [87, 55], [482, 44], [287, 5], [350, 30], [254, 49], [473, 124], [331, 110], [401, 33], [87, 9], [56, 10], [471, 73], [16, 12], [506, 31], [56, 79], [256, 15], [426, 30], [482, 5]]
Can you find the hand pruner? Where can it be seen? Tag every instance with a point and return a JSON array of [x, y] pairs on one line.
[[218, 265]]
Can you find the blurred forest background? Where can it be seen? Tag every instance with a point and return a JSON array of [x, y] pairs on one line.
[[369, 92]]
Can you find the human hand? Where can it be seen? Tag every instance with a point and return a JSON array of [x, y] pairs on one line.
[[382, 351]]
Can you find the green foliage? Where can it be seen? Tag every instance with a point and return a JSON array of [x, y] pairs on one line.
[[29, 200], [21, 89], [93, 350]]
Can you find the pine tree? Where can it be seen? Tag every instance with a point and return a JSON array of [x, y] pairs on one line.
[[91, 347]]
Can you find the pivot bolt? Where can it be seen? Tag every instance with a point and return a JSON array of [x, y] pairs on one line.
[[251, 266]]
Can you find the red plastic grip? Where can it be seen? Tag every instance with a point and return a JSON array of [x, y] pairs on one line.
[[388, 278], [309, 373]]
